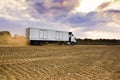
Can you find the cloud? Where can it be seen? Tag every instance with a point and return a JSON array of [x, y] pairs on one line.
[[12, 9], [104, 22], [51, 8], [114, 4], [103, 6], [57, 14], [90, 19]]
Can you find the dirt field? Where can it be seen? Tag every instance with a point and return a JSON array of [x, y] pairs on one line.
[[60, 63]]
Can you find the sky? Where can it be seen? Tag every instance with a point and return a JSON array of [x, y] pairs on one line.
[[85, 18]]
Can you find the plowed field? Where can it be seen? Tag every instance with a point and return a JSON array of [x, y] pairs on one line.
[[60, 62]]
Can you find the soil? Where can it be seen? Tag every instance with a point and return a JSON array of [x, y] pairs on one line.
[[80, 62]]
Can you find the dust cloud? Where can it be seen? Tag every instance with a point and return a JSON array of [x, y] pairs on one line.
[[7, 39]]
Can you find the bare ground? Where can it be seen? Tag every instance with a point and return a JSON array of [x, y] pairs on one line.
[[60, 62]]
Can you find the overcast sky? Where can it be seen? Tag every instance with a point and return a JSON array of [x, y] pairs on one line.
[[85, 18]]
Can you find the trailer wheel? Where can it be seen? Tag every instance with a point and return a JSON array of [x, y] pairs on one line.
[[32, 43], [72, 43]]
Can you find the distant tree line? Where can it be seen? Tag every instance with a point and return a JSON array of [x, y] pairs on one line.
[[87, 41]]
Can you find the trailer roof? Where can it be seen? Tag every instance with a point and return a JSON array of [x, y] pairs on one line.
[[46, 29]]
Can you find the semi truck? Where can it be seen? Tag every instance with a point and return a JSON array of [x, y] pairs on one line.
[[38, 36]]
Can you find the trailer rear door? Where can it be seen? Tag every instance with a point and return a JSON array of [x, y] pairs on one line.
[[34, 33]]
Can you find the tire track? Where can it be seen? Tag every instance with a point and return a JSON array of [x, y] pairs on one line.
[[7, 73], [27, 72], [14, 72], [23, 74], [17, 61]]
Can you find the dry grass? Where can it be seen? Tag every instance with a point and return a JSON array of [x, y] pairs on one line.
[[60, 63]]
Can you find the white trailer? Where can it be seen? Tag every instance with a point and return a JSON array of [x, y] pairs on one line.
[[38, 36]]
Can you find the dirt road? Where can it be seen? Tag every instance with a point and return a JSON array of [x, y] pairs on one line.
[[60, 63]]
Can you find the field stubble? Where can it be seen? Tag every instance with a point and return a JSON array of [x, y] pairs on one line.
[[60, 63]]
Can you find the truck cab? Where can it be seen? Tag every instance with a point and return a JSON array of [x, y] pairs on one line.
[[72, 38]]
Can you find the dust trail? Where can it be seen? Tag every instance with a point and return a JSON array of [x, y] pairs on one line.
[[7, 39], [17, 61], [19, 40]]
